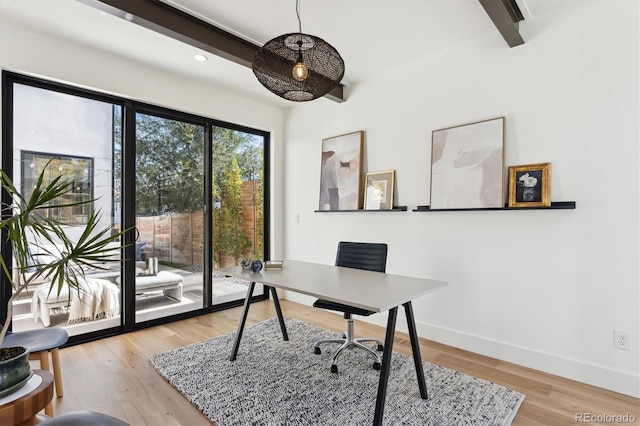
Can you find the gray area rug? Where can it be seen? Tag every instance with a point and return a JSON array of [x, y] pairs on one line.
[[273, 382]]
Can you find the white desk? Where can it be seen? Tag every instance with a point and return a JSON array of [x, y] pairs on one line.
[[374, 291]]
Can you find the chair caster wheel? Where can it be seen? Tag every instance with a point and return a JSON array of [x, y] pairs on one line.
[[380, 348], [376, 366], [317, 351], [334, 368]]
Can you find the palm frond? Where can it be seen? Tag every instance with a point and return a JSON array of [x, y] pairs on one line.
[[29, 229]]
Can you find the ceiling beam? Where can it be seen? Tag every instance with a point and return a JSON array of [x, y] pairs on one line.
[[506, 16], [174, 23]]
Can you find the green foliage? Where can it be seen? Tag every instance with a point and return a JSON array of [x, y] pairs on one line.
[[170, 178], [237, 157], [30, 230], [233, 240], [169, 166]]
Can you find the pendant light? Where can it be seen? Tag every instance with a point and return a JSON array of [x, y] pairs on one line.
[[298, 67]]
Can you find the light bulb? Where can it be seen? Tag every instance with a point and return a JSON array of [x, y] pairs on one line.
[[300, 71]]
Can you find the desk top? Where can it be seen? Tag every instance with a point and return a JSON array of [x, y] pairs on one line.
[[373, 291]]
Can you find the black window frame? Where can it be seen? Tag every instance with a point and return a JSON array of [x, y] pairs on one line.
[[50, 156], [129, 109]]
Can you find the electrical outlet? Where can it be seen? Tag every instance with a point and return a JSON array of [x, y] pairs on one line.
[[622, 339]]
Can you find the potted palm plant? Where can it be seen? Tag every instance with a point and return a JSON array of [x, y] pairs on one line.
[[26, 225]]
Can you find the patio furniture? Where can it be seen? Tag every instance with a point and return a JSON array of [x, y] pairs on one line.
[[98, 299], [167, 282], [43, 302]]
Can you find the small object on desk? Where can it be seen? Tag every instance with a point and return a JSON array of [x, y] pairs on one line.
[[245, 264], [256, 265], [272, 264]]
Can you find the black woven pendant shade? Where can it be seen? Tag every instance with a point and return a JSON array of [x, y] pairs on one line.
[[273, 66]]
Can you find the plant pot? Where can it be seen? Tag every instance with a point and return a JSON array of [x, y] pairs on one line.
[[15, 372]]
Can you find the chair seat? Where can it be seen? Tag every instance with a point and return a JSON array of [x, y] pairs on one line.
[[84, 418], [333, 306], [37, 340]]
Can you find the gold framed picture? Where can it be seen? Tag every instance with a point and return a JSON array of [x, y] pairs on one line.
[[378, 193], [530, 185]]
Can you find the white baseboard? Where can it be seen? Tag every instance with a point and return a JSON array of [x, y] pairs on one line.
[[595, 375]]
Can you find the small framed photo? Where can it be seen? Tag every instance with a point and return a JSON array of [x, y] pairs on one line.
[[378, 193], [530, 185]]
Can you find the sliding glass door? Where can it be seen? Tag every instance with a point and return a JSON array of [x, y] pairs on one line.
[[169, 216], [238, 206], [190, 192], [61, 135]]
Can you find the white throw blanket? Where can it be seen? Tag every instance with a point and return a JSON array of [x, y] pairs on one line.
[[97, 299]]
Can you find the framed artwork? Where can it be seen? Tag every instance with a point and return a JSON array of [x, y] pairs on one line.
[[467, 165], [341, 172], [530, 185], [378, 191]]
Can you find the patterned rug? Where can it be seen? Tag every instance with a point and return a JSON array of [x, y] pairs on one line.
[[273, 382]]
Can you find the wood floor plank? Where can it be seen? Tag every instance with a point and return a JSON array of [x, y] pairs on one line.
[[114, 376]]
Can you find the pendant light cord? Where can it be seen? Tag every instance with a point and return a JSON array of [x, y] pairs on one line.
[[298, 13]]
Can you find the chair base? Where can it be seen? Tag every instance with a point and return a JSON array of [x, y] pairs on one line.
[[349, 342]]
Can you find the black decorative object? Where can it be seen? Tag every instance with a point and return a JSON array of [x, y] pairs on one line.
[[256, 266], [298, 67]]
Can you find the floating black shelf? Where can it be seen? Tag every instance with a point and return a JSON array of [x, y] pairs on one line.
[[395, 209], [554, 206]]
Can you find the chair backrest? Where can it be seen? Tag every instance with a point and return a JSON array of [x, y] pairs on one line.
[[369, 256]]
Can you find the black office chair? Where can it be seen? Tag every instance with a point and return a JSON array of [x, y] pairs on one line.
[[369, 256]]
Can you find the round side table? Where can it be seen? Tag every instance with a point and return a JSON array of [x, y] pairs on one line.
[[23, 410]]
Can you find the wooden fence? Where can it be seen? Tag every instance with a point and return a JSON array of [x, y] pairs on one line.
[[179, 237]]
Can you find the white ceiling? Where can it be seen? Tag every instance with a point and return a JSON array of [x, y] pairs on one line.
[[372, 36]]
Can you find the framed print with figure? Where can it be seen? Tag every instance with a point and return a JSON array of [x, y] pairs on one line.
[[378, 192], [530, 185], [341, 172]]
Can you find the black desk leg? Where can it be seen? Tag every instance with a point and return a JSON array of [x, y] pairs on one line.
[[415, 348], [243, 319], [276, 303], [386, 366]]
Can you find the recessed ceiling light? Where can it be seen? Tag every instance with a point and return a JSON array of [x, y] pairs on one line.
[[200, 58]]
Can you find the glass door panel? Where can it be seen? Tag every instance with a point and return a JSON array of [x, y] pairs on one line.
[[169, 217], [75, 138], [238, 207]]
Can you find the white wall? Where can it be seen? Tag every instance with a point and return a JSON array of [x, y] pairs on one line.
[[32, 54], [544, 289], [40, 127]]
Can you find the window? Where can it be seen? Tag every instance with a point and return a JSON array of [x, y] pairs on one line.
[[78, 170]]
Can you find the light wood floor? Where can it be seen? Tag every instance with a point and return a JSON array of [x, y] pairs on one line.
[[114, 375]]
